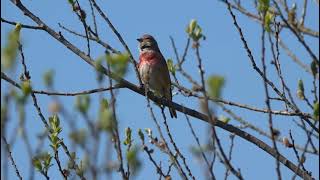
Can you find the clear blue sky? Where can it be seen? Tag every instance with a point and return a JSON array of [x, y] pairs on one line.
[[222, 53]]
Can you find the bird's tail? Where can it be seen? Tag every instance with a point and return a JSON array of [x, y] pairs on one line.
[[173, 113]]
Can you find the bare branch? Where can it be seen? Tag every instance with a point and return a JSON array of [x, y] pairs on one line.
[[10, 156]]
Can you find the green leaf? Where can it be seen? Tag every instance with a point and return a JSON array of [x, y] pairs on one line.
[[314, 68], [47, 161], [106, 121], [21, 99], [268, 20], [292, 15], [300, 91], [98, 64], [196, 151], [198, 33], [224, 119], [71, 162], [78, 136], [80, 170], [53, 138], [83, 103], [300, 85], [26, 87], [73, 155], [4, 114], [215, 84], [300, 95], [100, 68], [42, 161], [9, 52], [263, 5], [22, 113], [54, 122], [104, 104], [48, 78], [192, 25], [17, 29], [71, 2], [316, 111], [118, 63], [133, 160], [37, 164], [171, 66], [194, 31], [148, 131], [128, 140], [141, 135]]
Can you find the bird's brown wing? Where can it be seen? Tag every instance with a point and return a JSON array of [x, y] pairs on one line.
[[167, 81]]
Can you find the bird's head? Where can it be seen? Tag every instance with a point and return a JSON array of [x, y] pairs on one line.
[[147, 42]]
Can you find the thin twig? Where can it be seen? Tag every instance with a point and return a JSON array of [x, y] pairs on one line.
[[211, 116], [116, 135], [199, 146], [169, 152], [174, 144], [94, 18], [258, 70], [56, 157], [267, 98], [300, 39], [95, 38], [244, 106], [293, 56], [229, 155], [301, 161], [10, 156], [246, 124], [276, 53], [257, 18], [117, 86], [35, 104], [304, 12], [103, 15], [84, 23], [296, 152], [22, 25], [158, 168]]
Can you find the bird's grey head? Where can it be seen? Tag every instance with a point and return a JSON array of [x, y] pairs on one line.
[[147, 42]]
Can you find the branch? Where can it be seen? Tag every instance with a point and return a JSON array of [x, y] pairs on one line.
[[299, 37], [244, 106], [22, 25], [246, 124], [258, 70], [102, 14], [255, 17], [267, 97], [10, 156], [175, 146], [201, 149], [115, 131], [43, 119]]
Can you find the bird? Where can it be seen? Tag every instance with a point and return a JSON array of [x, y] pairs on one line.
[[153, 69]]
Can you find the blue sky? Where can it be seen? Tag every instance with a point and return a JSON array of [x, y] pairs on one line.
[[222, 53]]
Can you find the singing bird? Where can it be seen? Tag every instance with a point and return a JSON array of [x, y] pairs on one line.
[[153, 69]]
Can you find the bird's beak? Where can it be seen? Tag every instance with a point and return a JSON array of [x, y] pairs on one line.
[[139, 39]]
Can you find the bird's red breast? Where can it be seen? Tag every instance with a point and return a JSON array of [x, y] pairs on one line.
[[149, 57]]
